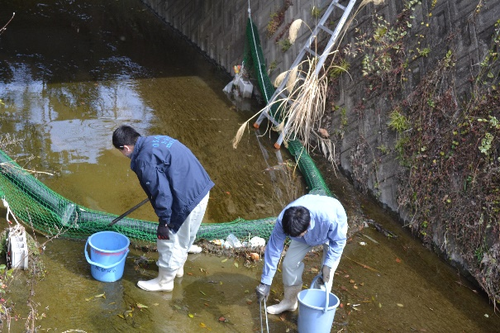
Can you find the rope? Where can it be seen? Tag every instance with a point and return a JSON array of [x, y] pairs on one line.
[[16, 230], [9, 212]]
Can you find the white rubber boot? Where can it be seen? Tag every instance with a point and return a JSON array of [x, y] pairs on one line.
[[164, 281], [194, 249], [180, 272], [289, 302]]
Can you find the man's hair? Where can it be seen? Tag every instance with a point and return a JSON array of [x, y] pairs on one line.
[[295, 220], [124, 135]]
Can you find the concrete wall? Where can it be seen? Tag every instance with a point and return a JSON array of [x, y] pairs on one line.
[[218, 26]]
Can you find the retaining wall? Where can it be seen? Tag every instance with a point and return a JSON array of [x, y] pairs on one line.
[[218, 27]]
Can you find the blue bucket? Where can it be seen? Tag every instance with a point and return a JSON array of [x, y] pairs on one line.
[[108, 251], [316, 310]]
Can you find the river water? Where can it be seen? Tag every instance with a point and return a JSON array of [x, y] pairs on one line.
[[71, 72]]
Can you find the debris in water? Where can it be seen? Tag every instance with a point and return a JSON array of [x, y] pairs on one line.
[[232, 241], [373, 240], [103, 295], [257, 241], [219, 242], [363, 265]]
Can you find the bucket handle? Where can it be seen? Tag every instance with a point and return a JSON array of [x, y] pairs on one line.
[[326, 291], [101, 265]]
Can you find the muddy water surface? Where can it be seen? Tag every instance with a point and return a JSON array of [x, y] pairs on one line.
[[71, 72]]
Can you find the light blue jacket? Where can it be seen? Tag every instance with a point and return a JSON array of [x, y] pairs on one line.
[[328, 225]]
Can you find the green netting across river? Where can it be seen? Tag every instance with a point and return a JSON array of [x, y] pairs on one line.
[[48, 212]]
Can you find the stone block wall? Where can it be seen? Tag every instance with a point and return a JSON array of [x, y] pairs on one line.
[[459, 26], [436, 28]]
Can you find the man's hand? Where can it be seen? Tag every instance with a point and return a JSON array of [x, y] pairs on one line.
[[162, 232], [326, 271], [262, 291]]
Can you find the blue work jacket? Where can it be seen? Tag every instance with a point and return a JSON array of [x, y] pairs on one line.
[[172, 177], [328, 225]]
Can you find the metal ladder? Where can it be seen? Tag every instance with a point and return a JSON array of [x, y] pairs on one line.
[[280, 92]]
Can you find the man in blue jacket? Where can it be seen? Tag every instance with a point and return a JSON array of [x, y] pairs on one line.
[[178, 188], [309, 221]]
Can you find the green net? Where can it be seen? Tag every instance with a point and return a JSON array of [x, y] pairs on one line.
[[254, 59], [46, 211], [310, 172]]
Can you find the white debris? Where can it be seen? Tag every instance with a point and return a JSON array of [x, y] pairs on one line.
[[232, 241], [257, 241]]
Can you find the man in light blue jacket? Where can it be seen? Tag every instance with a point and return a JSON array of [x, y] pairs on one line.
[[178, 188], [309, 221]]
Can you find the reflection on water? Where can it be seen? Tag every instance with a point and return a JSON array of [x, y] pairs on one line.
[[70, 73], [114, 63]]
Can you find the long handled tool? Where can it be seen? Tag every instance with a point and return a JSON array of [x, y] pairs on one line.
[[128, 212], [263, 301]]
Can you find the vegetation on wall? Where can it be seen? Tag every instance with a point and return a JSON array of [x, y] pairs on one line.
[[277, 18], [454, 164], [446, 137]]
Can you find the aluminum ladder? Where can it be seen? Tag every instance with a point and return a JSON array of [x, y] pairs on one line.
[[280, 92]]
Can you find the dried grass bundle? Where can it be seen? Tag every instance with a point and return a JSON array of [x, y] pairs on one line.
[[292, 77], [294, 30], [279, 79], [305, 105], [306, 110]]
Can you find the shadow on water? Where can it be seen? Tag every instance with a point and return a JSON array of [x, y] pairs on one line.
[[70, 72]]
